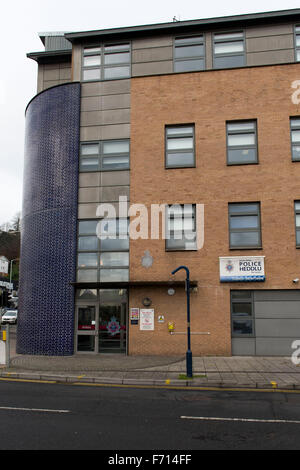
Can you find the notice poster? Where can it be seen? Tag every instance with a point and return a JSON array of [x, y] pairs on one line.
[[147, 319], [134, 316]]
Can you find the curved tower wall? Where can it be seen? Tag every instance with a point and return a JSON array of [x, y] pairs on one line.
[[49, 223]]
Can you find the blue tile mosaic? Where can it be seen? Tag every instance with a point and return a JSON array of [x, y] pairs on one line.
[[49, 223]]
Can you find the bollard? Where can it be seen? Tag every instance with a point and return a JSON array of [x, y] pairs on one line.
[[4, 346]]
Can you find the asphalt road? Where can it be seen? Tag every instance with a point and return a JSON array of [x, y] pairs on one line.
[[60, 417]]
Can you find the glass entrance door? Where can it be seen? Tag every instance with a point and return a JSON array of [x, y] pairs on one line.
[[112, 320], [101, 324], [87, 330]]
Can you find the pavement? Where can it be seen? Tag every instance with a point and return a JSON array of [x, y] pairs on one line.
[[236, 372]]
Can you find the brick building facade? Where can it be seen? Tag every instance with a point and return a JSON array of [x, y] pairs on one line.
[[200, 114]]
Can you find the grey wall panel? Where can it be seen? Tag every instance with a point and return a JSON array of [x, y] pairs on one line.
[[116, 101], [270, 43], [276, 328], [153, 54], [115, 178], [279, 309], [276, 295], [274, 347], [152, 68], [89, 179], [270, 57], [243, 346], [272, 30], [144, 43]]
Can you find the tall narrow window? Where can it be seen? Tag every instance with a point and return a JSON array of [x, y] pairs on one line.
[[180, 146], [297, 222], [181, 227], [295, 138], [229, 50], [189, 53], [244, 225], [297, 43], [241, 142], [242, 313]]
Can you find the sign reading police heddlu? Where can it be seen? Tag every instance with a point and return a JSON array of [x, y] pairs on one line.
[[242, 269]]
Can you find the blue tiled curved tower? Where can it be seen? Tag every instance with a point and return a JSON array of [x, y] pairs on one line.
[[49, 223]]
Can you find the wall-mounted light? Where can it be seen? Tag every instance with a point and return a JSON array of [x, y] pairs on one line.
[[147, 302], [171, 291]]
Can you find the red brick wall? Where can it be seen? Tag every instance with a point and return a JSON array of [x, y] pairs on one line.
[[209, 99]]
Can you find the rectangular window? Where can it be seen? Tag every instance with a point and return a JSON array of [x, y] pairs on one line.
[[297, 222], [244, 225], [189, 54], [106, 62], [228, 50], [104, 155], [295, 138], [242, 313], [181, 227], [241, 142], [180, 146], [103, 250], [297, 43]]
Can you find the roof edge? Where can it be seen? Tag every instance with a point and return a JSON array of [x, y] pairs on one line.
[[177, 25]]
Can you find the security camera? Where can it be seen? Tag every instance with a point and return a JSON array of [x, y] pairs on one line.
[[295, 281]]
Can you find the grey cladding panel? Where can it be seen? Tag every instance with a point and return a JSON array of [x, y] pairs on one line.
[[277, 328], [270, 43], [275, 295], [274, 347], [243, 346], [152, 55], [279, 309]]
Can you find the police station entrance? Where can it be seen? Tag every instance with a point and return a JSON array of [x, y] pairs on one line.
[[101, 320]]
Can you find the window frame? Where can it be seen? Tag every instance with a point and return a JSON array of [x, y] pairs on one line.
[[228, 54], [197, 42], [98, 252], [297, 128], [101, 155], [235, 230], [169, 231], [103, 66], [296, 212], [242, 147], [233, 317], [296, 48], [183, 135]]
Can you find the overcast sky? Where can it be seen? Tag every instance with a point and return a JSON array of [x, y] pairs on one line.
[[21, 21]]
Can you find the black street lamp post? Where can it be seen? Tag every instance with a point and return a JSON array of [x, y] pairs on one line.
[[189, 357]]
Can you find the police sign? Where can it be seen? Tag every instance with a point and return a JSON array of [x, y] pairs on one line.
[[242, 269]]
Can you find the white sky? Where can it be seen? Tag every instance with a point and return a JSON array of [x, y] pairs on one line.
[[21, 21]]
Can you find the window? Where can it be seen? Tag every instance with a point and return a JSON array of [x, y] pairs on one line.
[[104, 155], [297, 43], [297, 222], [189, 53], [242, 313], [244, 225], [295, 138], [106, 62], [228, 50], [103, 250], [241, 142], [180, 146], [181, 227]]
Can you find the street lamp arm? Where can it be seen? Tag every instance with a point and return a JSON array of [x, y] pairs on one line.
[[185, 268]]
